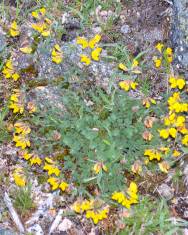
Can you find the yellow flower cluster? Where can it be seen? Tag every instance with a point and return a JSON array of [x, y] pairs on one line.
[[165, 133], [56, 183], [148, 101], [82, 206], [43, 24], [125, 201], [97, 215], [95, 52], [51, 167], [152, 154], [167, 54], [9, 71], [98, 167], [89, 208], [176, 82], [127, 85], [133, 68], [31, 157], [17, 101], [14, 29], [57, 55], [21, 135], [19, 177], [175, 104]]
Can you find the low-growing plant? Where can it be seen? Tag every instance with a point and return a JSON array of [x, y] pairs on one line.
[[108, 132], [151, 217], [23, 200]]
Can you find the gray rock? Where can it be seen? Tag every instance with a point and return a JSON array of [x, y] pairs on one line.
[[166, 191], [7, 232], [2, 40], [180, 32], [125, 29], [47, 97]]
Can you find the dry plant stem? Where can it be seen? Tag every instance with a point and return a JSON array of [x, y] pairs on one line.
[[13, 213], [56, 222]]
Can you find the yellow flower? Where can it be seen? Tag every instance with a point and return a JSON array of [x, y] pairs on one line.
[[35, 160], [123, 67], [21, 127], [166, 150], [39, 13], [173, 132], [98, 167], [19, 177], [177, 83], [176, 153], [96, 53], [164, 166], [24, 154], [21, 141], [57, 55], [26, 50], [85, 59], [82, 41], [133, 187], [77, 207], [180, 83], [124, 85], [152, 154], [14, 29], [118, 196], [164, 133], [159, 47], [169, 54], [180, 121], [136, 167], [169, 51], [31, 107], [9, 71], [134, 85], [173, 82], [185, 140], [127, 85], [63, 186], [148, 101], [51, 169], [96, 39], [135, 63], [157, 62], [17, 101], [27, 156], [53, 182], [42, 27]]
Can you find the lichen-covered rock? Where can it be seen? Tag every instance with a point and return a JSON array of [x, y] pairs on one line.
[[180, 31], [47, 97], [2, 40]]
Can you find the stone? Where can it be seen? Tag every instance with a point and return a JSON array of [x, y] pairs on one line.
[[166, 191], [65, 225], [125, 29], [7, 232], [46, 98], [35, 229], [2, 40], [179, 34]]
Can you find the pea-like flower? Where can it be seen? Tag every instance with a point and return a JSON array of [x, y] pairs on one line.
[[14, 29], [91, 44], [57, 55], [9, 70]]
